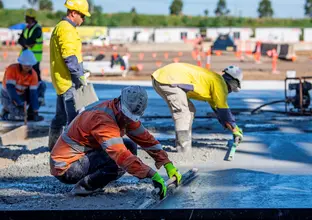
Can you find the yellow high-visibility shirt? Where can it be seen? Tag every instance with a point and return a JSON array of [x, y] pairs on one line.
[[207, 85], [64, 42]]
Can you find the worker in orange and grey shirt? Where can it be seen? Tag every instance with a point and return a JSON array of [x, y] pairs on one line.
[[20, 84], [91, 151]]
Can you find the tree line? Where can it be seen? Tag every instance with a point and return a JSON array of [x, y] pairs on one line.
[[264, 9], [47, 17]]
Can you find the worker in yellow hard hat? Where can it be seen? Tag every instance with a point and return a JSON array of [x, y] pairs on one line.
[[66, 68], [32, 38]]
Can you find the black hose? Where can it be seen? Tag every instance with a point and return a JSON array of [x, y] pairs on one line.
[[270, 103]]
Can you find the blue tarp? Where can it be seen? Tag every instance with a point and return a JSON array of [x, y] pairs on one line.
[[224, 42], [19, 26]]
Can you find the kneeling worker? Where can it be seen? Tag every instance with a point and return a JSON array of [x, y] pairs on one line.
[[91, 151], [177, 83], [20, 84]]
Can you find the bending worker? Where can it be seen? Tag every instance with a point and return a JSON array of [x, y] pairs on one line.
[[20, 85], [66, 65], [91, 151], [177, 83], [32, 39]]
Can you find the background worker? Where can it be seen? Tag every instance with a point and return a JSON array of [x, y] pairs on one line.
[[116, 59], [177, 83], [20, 83], [66, 65], [32, 39], [91, 152]]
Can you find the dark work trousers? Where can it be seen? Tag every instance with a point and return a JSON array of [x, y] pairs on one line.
[[98, 165], [41, 84], [65, 109]]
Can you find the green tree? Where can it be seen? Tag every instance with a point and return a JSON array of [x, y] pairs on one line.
[[96, 15], [45, 5], [32, 2], [308, 8], [91, 6], [265, 9], [221, 9], [176, 7], [206, 12], [1, 4], [133, 10], [97, 9]]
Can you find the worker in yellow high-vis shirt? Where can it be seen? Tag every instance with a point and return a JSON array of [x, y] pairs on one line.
[[66, 65], [177, 83]]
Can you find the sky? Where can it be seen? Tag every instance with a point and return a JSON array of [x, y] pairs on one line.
[[245, 8]]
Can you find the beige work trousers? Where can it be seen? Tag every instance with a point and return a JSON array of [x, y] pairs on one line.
[[182, 110]]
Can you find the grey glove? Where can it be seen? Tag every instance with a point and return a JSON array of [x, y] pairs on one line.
[[78, 81]]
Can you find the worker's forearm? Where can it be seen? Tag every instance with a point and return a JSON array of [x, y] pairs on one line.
[[73, 66], [226, 118]]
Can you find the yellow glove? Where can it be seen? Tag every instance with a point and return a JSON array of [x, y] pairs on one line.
[[173, 171], [238, 134]]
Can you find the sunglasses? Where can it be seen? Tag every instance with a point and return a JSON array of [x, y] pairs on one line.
[[82, 15]]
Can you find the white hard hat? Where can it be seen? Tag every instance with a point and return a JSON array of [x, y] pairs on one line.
[[27, 58], [236, 73], [133, 102]]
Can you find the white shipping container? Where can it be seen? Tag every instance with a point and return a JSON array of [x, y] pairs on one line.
[[278, 35], [175, 35]]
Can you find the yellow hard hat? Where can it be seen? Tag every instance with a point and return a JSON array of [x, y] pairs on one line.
[[81, 6], [31, 13]]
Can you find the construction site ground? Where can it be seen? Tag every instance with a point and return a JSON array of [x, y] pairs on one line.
[[154, 56], [271, 169]]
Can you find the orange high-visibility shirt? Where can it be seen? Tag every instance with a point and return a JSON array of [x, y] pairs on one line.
[[14, 76], [98, 128]]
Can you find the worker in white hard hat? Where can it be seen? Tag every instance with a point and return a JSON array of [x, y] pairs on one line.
[[177, 83], [66, 67], [92, 151], [32, 38], [19, 85]]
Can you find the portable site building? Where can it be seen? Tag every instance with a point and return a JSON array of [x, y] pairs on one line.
[[307, 34], [175, 35], [278, 35], [128, 35]]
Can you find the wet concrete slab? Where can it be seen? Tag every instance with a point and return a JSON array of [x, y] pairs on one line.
[[243, 188], [271, 168]]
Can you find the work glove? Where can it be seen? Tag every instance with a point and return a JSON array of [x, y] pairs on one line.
[[79, 81], [173, 171], [86, 73], [237, 134], [159, 183]]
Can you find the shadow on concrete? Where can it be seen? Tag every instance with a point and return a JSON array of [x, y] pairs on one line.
[[13, 152]]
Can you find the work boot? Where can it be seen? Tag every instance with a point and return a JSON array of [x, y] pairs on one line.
[[4, 115], [83, 188], [54, 134], [35, 117], [183, 141]]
